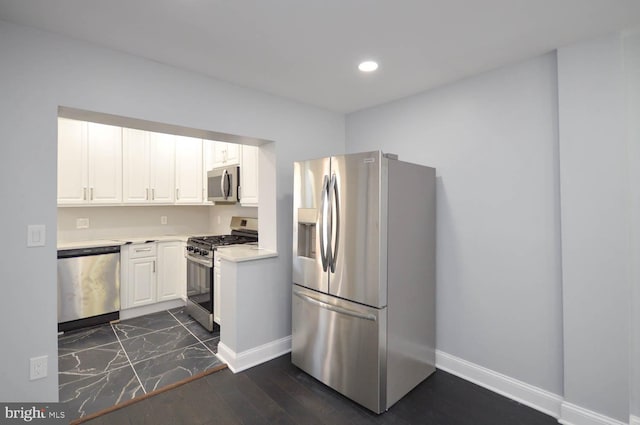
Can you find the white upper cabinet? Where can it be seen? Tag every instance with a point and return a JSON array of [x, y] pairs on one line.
[[188, 170], [208, 161], [148, 167], [73, 173], [249, 176], [135, 166], [89, 163], [162, 164], [225, 154], [105, 163]]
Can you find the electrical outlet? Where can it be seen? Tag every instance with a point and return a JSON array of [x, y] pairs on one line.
[[82, 223], [163, 219], [38, 367]]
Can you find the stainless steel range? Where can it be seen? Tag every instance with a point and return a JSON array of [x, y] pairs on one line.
[[199, 253]]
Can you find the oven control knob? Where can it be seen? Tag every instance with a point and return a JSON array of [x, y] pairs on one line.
[[196, 250], [189, 248], [204, 252]]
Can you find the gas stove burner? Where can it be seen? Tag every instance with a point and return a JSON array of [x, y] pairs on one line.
[[221, 240]]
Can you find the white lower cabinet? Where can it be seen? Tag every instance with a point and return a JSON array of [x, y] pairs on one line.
[[216, 292], [172, 270], [151, 273], [142, 281]]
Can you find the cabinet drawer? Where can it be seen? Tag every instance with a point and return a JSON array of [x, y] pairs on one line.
[[142, 250]]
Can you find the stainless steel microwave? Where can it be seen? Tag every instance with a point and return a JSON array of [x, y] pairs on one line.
[[222, 184]]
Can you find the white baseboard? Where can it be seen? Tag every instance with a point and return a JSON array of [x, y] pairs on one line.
[[634, 420], [130, 313], [529, 395], [572, 414], [237, 362]]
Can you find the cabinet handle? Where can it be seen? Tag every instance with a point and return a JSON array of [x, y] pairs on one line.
[[177, 194], [153, 194], [154, 267], [91, 192], [143, 249], [84, 193], [147, 197]]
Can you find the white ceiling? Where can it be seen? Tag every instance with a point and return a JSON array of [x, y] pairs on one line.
[[308, 50]]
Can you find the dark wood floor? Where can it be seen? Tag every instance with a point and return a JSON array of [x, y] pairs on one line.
[[279, 393]]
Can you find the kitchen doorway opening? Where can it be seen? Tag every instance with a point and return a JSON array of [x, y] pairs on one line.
[[94, 360]]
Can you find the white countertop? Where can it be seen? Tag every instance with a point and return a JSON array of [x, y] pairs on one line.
[[240, 253], [120, 241], [164, 238], [89, 244]]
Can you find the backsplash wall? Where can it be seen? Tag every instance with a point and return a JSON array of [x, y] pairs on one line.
[[140, 221], [224, 213]]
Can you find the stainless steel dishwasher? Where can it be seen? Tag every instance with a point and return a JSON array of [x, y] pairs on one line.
[[88, 286]]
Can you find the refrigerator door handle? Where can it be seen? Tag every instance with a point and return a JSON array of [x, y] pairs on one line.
[[334, 308], [324, 254], [336, 201]]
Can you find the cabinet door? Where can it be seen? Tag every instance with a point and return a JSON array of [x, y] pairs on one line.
[[105, 163], [172, 270], [225, 154], [233, 153], [142, 281], [135, 166], [249, 176], [72, 162], [188, 170], [162, 166], [208, 162]]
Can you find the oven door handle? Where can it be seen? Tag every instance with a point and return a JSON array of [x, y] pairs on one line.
[[207, 263]]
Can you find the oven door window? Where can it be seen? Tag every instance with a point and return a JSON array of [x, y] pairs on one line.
[[199, 285]]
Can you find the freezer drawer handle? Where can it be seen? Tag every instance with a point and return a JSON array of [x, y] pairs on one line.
[[337, 309]]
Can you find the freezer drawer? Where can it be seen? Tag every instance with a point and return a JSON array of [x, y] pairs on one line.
[[342, 344]]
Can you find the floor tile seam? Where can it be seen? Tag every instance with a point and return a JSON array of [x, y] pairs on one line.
[[167, 352], [179, 321], [81, 377], [149, 333], [129, 360], [196, 337], [85, 349]]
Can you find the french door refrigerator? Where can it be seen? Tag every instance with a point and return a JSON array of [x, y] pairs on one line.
[[363, 300]]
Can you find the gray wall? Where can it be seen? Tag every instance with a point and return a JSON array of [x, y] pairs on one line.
[[535, 210], [632, 89], [41, 71], [595, 226], [493, 141]]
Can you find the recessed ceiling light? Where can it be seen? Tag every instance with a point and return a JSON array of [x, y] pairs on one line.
[[368, 66]]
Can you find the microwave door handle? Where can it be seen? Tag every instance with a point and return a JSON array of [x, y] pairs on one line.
[[333, 191], [323, 223], [228, 178], [222, 183]]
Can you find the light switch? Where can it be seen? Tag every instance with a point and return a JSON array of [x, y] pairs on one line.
[[36, 235]]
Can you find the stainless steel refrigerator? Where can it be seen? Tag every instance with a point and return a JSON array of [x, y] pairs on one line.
[[363, 301]]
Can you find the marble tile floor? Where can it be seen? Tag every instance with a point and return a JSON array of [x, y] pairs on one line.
[[101, 366]]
